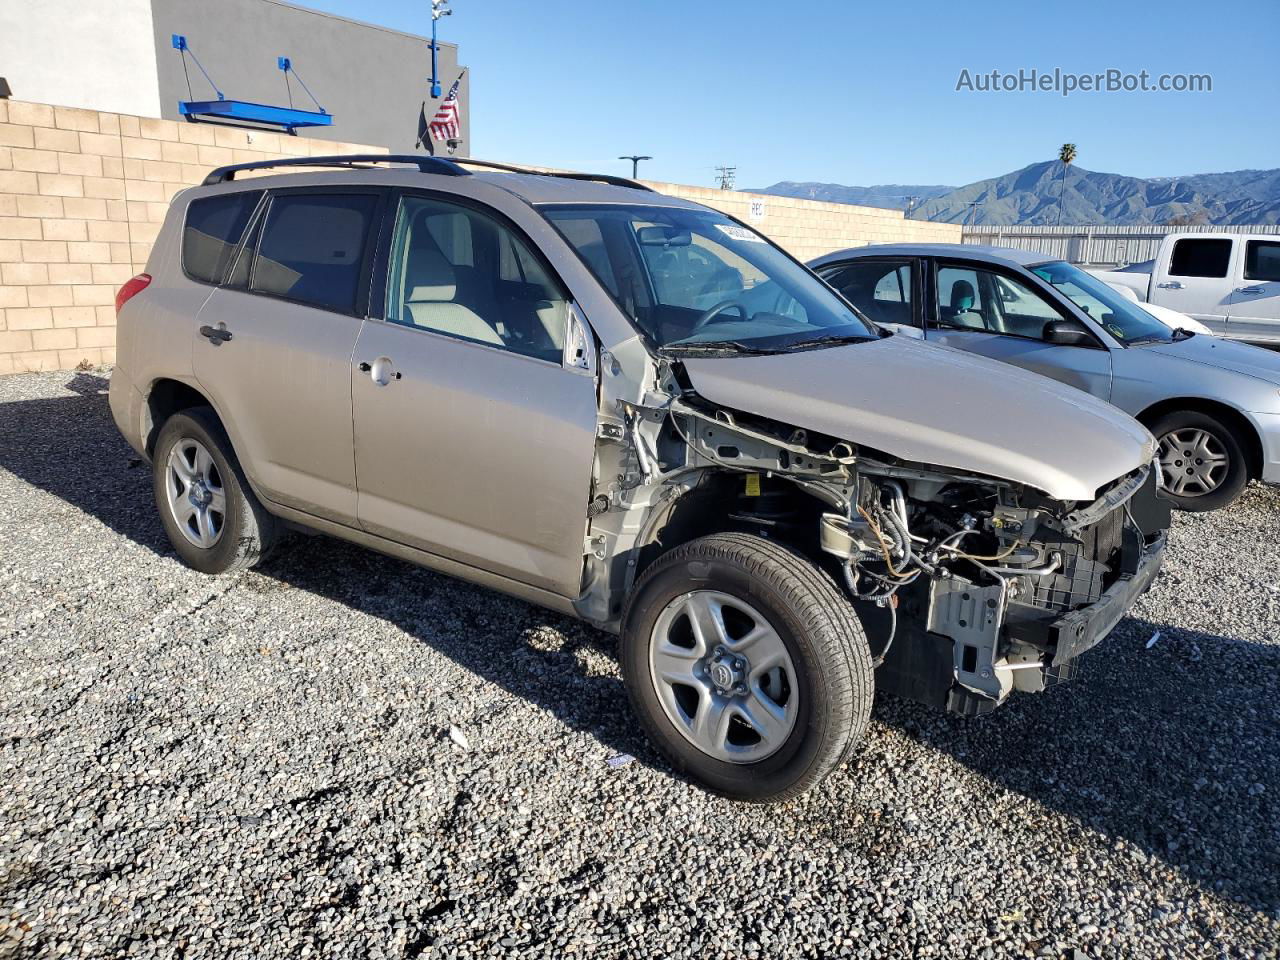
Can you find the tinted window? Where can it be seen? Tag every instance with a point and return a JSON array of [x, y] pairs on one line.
[[457, 272], [214, 227], [312, 248], [879, 288], [1200, 258], [1262, 260]]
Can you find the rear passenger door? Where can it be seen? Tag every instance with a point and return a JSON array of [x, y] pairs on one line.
[[474, 409], [1255, 302], [273, 344]]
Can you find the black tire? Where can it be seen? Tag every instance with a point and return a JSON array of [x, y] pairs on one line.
[[1235, 476], [822, 636], [248, 531]]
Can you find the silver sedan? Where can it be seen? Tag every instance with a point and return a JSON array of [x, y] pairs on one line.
[[1213, 404]]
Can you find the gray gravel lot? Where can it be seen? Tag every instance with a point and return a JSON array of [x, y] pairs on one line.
[[262, 766]]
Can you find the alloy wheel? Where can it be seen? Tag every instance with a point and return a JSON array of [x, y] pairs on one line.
[[194, 491], [724, 676]]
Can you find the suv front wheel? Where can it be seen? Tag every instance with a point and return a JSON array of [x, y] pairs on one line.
[[213, 520], [747, 667]]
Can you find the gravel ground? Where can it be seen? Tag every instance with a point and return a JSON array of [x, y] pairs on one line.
[[263, 767]]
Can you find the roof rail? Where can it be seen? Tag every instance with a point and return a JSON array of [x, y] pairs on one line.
[[449, 167], [355, 161], [564, 174]]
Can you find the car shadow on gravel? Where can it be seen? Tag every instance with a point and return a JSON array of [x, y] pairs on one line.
[[68, 446], [1170, 749]]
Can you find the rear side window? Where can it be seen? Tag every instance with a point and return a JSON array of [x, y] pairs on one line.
[[1200, 258], [879, 288], [312, 248], [1262, 260], [213, 230]]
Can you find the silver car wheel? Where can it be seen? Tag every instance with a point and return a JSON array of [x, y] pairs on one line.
[[1194, 462], [724, 676], [194, 491]]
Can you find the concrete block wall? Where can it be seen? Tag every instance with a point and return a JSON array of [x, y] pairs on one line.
[[810, 228], [83, 193]]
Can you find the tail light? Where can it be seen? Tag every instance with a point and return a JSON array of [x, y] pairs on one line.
[[132, 287]]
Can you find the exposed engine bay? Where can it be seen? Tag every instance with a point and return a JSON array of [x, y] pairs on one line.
[[969, 587]]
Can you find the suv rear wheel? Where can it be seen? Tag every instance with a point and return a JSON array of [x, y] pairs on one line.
[[747, 667], [213, 520], [1202, 460]]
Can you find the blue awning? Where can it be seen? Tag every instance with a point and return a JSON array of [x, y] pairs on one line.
[[287, 118]]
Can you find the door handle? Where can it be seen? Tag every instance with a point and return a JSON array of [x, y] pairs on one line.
[[216, 335], [1170, 285], [380, 371], [1256, 289]]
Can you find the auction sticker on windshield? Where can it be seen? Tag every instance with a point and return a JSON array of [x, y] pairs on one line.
[[735, 232]]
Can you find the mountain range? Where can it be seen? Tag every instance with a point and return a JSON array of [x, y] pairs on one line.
[[1032, 194]]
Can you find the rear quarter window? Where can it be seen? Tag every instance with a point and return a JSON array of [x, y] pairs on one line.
[[212, 233]]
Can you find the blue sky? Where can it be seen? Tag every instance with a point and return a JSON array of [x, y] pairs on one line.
[[854, 92]]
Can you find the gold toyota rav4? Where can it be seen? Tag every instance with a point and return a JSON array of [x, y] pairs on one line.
[[638, 411]]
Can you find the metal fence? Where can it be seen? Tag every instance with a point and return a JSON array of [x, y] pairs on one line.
[[1095, 246]]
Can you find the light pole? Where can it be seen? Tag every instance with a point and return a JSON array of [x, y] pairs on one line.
[[635, 164], [439, 8]]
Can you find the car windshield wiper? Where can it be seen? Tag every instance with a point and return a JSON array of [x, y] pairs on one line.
[[716, 346], [1149, 338], [832, 340]]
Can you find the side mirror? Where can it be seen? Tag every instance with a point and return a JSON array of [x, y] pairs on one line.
[[1067, 333]]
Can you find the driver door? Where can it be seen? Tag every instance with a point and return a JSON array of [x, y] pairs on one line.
[[994, 314]]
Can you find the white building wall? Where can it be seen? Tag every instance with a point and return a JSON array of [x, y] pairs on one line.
[[94, 54]]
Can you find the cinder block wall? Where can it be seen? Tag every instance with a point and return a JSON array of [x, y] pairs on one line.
[[82, 195], [810, 228]]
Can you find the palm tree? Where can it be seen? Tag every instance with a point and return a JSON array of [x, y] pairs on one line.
[[1066, 156]]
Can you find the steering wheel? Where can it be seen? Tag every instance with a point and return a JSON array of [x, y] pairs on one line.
[[709, 316]]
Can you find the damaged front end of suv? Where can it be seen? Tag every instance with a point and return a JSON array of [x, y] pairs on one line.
[[970, 586]]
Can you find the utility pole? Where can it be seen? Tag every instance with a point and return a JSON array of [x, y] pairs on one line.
[[439, 8], [635, 164], [726, 177], [911, 204], [973, 209]]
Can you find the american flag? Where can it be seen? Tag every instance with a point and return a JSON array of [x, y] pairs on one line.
[[446, 125]]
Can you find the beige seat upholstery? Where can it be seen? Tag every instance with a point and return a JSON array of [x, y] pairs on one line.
[[430, 291]]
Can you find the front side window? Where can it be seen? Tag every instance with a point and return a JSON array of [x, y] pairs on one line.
[[312, 248], [960, 302], [1262, 260], [460, 273], [1120, 317], [212, 232], [694, 280], [971, 298], [1200, 257], [880, 289]]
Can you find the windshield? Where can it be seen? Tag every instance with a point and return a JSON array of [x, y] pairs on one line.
[[1120, 317], [694, 280]]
